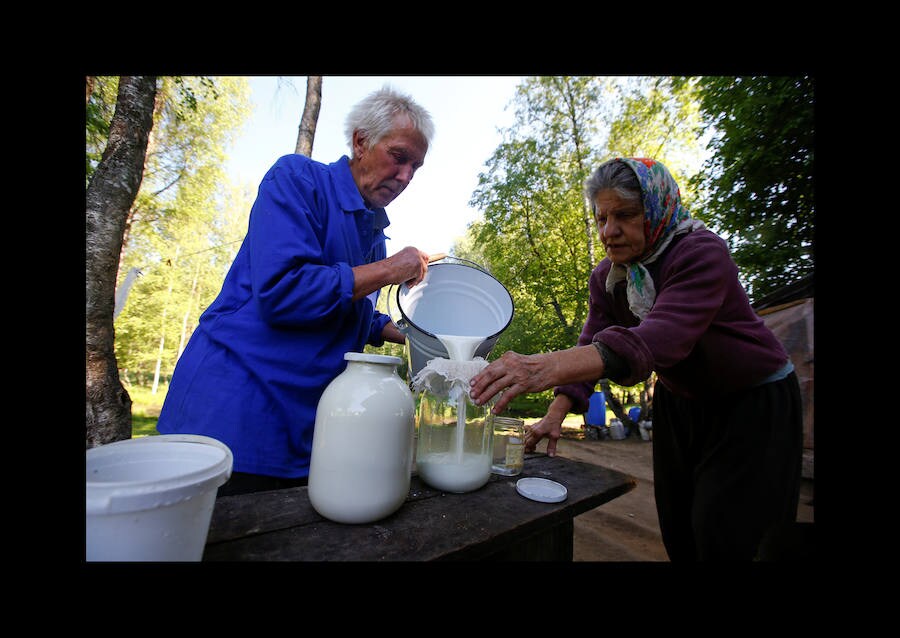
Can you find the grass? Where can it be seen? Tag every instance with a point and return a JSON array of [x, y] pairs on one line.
[[145, 407], [143, 425]]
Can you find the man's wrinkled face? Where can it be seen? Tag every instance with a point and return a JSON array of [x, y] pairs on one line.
[[385, 170]]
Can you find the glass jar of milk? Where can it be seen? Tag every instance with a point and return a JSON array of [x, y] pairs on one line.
[[454, 451], [362, 448]]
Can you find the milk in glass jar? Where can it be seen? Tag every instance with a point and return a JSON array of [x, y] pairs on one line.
[[455, 436], [362, 449]]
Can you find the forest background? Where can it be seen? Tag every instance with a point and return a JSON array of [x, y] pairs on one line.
[[741, 148]]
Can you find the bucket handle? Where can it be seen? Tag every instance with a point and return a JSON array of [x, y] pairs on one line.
[[452, 259], [394, 313]]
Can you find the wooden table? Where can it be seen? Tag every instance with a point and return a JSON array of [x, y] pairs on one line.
[[491, 523]]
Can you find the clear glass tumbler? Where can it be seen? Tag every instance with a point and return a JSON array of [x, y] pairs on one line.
[[509, 446]]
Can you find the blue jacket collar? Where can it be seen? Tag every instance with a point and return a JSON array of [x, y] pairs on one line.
[[349, 198]]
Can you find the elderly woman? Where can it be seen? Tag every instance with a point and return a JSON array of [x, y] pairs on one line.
[[727, 423]]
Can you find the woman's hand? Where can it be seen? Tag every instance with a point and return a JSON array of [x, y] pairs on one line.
[[512, 374], [550, 427], [515, 373]]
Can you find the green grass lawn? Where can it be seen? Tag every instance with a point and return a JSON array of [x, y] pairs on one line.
[[145, 407], [143, 425]]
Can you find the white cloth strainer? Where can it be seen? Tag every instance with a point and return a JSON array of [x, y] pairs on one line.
[[446, 377]]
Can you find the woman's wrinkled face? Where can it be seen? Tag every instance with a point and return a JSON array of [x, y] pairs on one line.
[[620, 222], [385, 170]]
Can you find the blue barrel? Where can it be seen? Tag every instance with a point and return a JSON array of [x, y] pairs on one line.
[[634, 413], [596, 414]]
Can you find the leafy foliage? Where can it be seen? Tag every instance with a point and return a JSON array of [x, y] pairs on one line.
[[537, 233], [98, 113], [187, 221], [758, 183]]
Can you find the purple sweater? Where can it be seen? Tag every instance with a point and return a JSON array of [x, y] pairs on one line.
[[701, 337]]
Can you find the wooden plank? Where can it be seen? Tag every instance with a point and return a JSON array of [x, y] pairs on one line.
[[768, 311], [494, 522], [555, 544]]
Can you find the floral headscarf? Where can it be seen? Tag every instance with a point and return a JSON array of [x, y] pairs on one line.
[[664, 218]]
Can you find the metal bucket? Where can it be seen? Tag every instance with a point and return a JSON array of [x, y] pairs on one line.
[[457, 297]]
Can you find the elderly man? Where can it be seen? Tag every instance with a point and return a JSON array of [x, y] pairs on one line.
[[300, 294]]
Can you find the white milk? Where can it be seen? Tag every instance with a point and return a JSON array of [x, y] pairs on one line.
[[362, 450], [456, 470], [444, 471], [460, 348]]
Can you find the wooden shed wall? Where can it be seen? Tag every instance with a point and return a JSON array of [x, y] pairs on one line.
[[792, 323]]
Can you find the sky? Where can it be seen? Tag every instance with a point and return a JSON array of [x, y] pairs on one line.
[[468, 113]]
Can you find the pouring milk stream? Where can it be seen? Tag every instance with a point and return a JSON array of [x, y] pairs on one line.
[[452, 319], [460, 349], [454, 469]]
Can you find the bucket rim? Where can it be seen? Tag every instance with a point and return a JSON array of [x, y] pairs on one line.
[[116, 497], [512, 303]]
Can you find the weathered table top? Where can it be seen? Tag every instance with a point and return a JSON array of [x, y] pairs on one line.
[[281, 525]]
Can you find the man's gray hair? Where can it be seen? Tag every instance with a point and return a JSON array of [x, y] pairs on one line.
[[375, 115]]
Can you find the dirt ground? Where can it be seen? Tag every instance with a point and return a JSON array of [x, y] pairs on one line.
[[627, 528]]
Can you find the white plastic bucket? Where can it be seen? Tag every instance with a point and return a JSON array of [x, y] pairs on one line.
[[456, 297], [152, 498]]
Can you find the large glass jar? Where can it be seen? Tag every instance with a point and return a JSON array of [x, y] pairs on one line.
[[455, 441], [362, 449]]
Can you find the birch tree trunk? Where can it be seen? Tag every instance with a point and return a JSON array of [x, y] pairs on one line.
[[159, 354], [307, 132], [187, 314], [162, 329], [108, 198]]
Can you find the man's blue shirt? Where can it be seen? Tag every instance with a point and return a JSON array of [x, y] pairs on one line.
[[275, 337]]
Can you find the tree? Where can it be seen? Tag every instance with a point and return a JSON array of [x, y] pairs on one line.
[[758, 183], [660, 117], [110, 193], [100, 105], [537, 234], [307, 133], [186, 224], [183, 266]]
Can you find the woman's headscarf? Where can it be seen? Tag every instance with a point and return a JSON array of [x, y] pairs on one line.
[[664, 218]]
